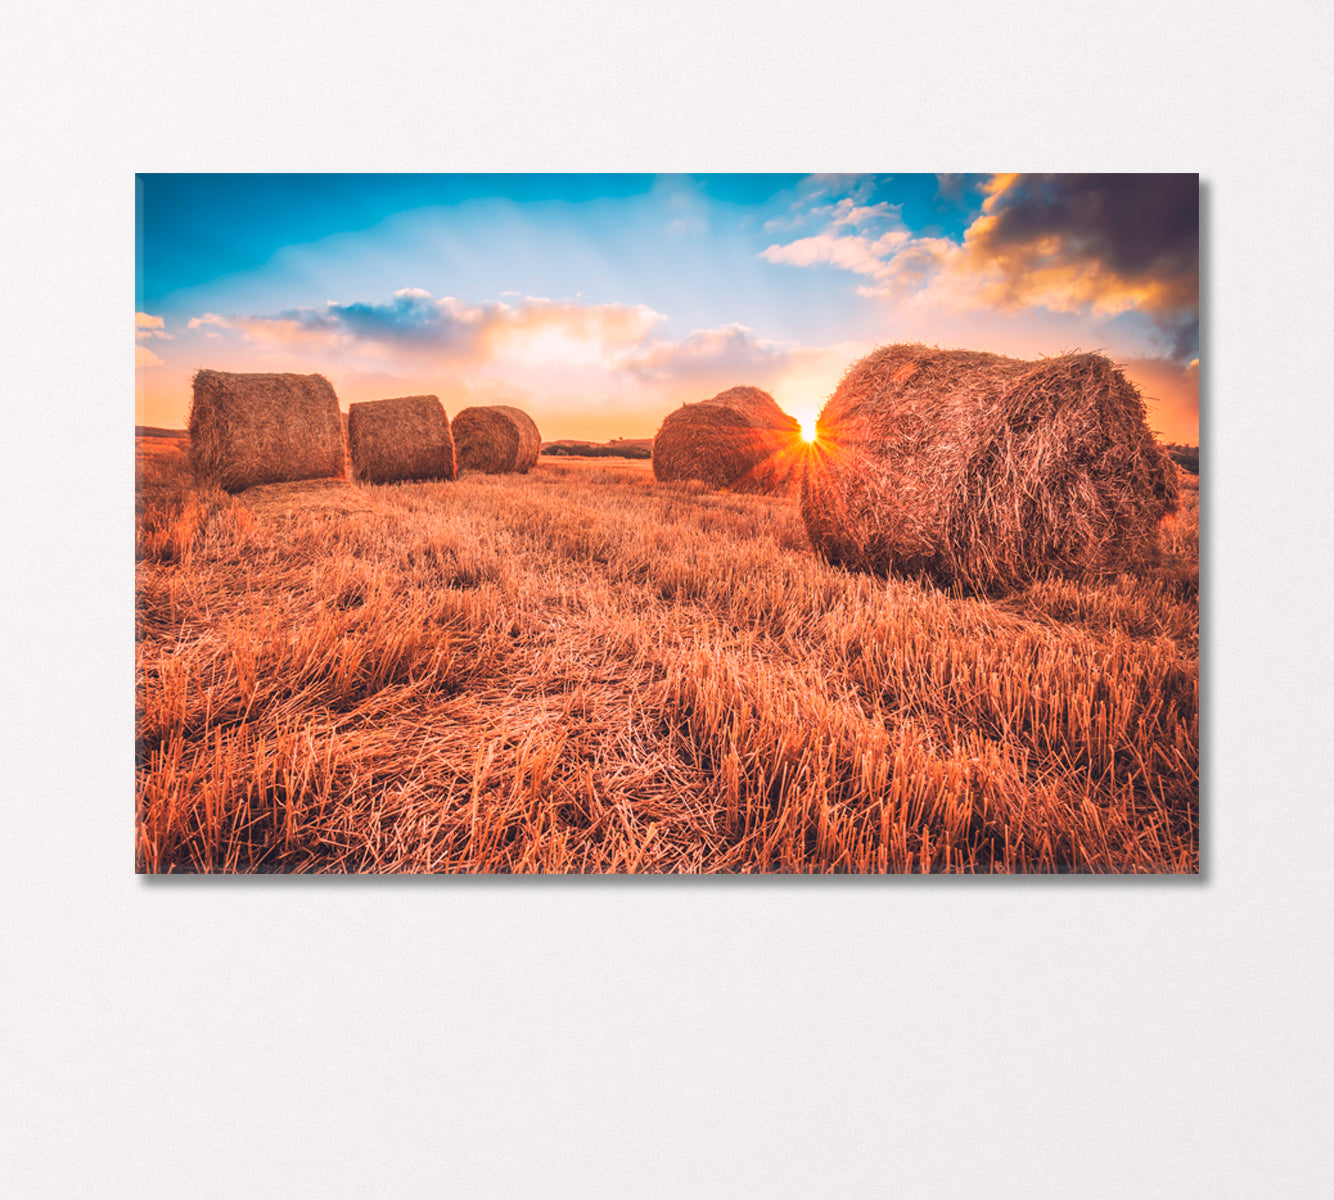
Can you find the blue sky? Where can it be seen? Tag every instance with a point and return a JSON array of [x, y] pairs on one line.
[[600, 302]]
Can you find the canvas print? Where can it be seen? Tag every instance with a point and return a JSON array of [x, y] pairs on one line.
[[600, 524]]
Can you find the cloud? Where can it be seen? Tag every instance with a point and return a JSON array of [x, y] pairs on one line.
[[853, 252], [1125, 231], [563, 333], [414, 325], [146, 326], [538, 349], [1111, 243], [818, 196], [848, 212], [276, 332], [551, 355], [1099, 244], [731, 353]]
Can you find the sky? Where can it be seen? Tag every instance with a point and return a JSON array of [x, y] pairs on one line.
[[599, 303]]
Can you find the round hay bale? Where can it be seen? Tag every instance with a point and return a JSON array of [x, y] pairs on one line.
[[496, 439], [251, 429], [985, 470], [739, 440], [407, 437]]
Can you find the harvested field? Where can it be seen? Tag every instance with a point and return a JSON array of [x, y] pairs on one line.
[[587, 670]]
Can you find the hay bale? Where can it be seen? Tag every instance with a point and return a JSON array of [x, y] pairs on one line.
[[250, 429], [986, 470], [407, 437], [739, 440], [496, 439]]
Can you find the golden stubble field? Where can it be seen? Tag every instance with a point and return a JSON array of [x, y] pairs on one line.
[[581, 670]]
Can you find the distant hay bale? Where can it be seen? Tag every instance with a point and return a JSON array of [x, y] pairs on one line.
[[496, 439], [986, 470], [407, 437], [251, 429], [739, 440]]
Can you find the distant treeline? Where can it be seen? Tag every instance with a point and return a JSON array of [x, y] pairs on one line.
[[589, 451], [1187, 457]]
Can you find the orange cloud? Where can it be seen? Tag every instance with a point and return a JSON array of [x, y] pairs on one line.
[[414, 326], [144, 357], [146, 326], [563, 333], [1098, 244]]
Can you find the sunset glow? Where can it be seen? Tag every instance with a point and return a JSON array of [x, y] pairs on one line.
[[599, 303]]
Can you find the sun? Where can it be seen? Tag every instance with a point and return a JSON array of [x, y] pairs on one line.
[[808, 429]]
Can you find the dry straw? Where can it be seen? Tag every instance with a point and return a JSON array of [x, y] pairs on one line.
[[404, 438], [250, 429], [496, 439], [740, 440], [990, 471]]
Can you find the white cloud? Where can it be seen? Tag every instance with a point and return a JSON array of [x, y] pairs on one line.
[[818, 196], [729, 353], [851, 252], [848, 212]]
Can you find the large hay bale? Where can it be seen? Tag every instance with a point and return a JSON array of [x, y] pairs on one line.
[[249, 429], [986, 470], [739, 440], [496, 439], [407, 437]]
